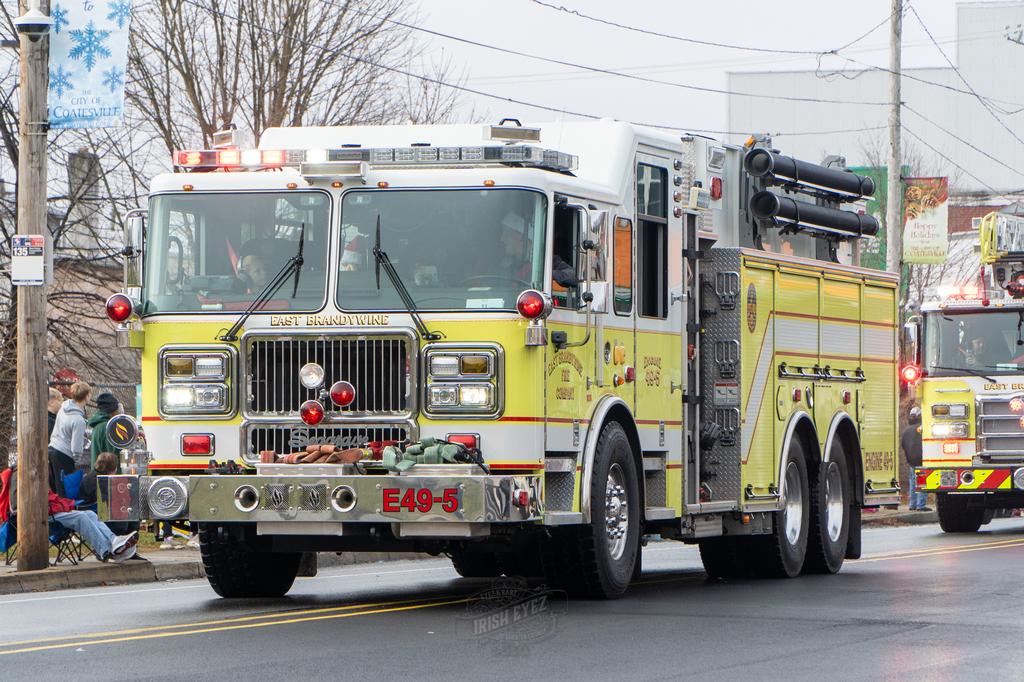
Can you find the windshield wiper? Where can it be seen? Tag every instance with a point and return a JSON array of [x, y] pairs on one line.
[[294, 264], [389, 269], [975, 372]]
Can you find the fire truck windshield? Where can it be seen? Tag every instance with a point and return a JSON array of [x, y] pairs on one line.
[[973, 342], [213, 252], [455, 249]]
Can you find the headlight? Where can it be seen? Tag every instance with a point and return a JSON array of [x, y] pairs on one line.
[[954, 410], [463, 381], [444, 366], [471, 397], [950, 430], [195, 398], [195, 382], [444, 396], [475, 396]]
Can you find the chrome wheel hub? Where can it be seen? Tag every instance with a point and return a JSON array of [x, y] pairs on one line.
[[792, 512], [616, 511], [834, 502]]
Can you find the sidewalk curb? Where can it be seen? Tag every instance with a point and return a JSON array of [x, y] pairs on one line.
[[95, 574], [908, 518]]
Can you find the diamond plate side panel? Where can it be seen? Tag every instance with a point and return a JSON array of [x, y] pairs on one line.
[[654, 488], [721, 469], [558, 490]]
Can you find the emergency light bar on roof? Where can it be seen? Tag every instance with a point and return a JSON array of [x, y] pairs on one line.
[[418, 156]]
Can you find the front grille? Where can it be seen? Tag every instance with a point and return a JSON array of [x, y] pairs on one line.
[[1000, 432], [284, 439], [379, 366]]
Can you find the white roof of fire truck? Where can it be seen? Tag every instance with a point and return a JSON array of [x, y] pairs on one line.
[[590, 154]]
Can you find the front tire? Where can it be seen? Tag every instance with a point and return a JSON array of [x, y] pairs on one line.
[[830, 515], [955, 516], [236, 570], [597, 560]]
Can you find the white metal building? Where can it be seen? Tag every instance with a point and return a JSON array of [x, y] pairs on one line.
[[987, 58]]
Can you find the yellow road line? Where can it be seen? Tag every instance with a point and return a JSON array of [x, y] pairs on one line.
[[286, 621], [221, 621], [958, 550], [990, 543]]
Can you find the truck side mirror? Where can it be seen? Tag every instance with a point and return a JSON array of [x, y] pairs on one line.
[[911, 342], [134, 242]]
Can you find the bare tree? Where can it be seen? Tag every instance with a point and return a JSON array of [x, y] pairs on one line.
[[198, 66], [195, 66]]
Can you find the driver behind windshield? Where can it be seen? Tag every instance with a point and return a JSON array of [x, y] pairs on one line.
[[986, 348], [253, 272]]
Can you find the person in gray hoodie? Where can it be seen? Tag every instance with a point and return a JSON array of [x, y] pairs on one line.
[[67, 442]]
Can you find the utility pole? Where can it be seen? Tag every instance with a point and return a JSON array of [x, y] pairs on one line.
[[33, 463], [893, 217]]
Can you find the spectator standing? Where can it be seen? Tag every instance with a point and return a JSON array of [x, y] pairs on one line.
[[910, 443], [106, 407], [52, 407], [67, 442]]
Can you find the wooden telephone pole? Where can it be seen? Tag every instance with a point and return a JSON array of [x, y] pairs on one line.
[[894, 202], [33, 463]]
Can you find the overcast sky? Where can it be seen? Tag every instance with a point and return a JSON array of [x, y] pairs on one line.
[[783, 24]]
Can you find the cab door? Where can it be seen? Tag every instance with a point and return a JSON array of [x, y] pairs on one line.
[[569, 369], [657, 369]]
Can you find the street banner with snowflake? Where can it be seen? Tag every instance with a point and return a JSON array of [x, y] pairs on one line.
[[88, 58]]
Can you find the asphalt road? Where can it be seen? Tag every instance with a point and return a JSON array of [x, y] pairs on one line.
[[920, 605]]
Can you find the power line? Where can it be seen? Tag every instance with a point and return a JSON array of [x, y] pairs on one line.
[[511, 100], [610, 72], [953, 66], [554, 76], [949, 160], [820, 54], [670, 36], [960, 139]]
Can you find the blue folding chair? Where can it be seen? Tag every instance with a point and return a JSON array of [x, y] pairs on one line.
[[68, 543]]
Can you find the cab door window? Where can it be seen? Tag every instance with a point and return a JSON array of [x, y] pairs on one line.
[[652, 240], [622, 266], [565, 258]]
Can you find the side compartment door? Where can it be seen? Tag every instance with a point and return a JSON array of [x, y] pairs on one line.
[[798, 352], [758, 372], [878, 400]]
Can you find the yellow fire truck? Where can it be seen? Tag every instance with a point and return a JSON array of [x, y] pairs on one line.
[[970, 384], [526, 347]]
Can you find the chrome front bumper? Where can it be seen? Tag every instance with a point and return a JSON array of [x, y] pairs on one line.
[[311, 494]]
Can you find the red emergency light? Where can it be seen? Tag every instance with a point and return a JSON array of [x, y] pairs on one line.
[[119, 308], [910, 374], [533, 305], [311, 412], [197, 444], [343, 393]]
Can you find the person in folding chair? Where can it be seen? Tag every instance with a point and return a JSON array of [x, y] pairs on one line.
[[66, 520]]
